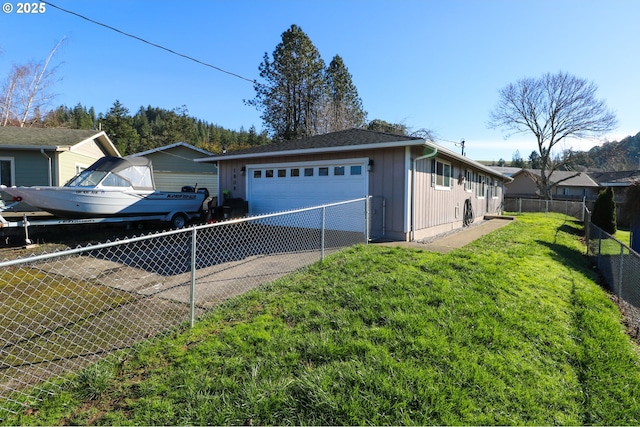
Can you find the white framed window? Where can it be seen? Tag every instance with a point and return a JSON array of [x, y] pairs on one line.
[[7, 171], [441, 176], [468, 181], [495, 188], [481, 183]]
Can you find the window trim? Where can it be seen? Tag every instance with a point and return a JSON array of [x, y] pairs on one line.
[[12, 165], [436, 174]]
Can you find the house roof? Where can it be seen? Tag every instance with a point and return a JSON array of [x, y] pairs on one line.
[[506, 170], [615, 179], [346, 140], [170, 146], [57, 139], [563, 178]]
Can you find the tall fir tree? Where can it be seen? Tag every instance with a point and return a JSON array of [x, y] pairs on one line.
[[342, 106], [294, 86]]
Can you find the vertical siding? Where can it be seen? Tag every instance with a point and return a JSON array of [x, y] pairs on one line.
[[439, 210]]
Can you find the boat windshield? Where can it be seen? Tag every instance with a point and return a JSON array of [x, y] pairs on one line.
[[116, 172], [87, 178]]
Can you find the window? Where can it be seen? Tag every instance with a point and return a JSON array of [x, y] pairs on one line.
[[481, 182], [495, 187], [257, 174], [295, 172], [442, 175], [6, 172], [324, 171], [308, 171], [282, 173], [356, 170], [268, 173], [338, 171], [468, 181]]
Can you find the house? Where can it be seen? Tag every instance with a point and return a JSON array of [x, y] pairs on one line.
[[174, 167], [49, 156], [566, 185], [418, 189], [618, 180]]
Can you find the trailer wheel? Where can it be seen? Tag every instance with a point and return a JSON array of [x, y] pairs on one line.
[[178, 221]]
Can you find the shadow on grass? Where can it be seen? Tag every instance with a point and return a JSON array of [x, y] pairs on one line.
[[569, 257]]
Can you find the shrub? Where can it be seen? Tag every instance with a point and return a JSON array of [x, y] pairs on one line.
[[604, 211]]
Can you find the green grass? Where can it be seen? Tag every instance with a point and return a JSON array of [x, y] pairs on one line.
[[511, 330]]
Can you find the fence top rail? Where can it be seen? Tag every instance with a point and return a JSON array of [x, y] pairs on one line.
[[608, 236], [79, 250]]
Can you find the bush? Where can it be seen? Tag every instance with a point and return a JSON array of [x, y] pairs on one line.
[[604, 211]]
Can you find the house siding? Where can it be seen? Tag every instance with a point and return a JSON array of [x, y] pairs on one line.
[[174, 168], [67, 165], [440, 210], [435, 211]]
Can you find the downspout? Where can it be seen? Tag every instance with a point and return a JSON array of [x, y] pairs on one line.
[[413, 186], [49, 162]]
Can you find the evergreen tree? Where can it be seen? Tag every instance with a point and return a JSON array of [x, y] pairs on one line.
[[516, 160], [295, 84], [342, 105], [119, 126], [604, 211], [535, 160]]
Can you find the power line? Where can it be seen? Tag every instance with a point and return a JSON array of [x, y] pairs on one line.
[[150, 43]]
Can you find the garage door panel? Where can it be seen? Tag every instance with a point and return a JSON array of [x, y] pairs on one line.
[[277, 188]]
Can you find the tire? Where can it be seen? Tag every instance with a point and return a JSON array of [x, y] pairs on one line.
[[178, 221]]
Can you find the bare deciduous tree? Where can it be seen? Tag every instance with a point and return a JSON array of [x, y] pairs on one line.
[[25, 93], [552, 107]]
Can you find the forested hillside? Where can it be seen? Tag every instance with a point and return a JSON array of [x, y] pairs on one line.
[[152, 127], [617, 155]]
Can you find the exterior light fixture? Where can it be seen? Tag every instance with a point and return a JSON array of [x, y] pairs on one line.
[[370, 165]]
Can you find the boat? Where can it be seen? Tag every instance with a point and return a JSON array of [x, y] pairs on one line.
[[112, 186]]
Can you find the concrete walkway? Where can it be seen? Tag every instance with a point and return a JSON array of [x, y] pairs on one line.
[[457, 238]]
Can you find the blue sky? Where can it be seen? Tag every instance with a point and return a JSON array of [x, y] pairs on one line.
[[435, 64]]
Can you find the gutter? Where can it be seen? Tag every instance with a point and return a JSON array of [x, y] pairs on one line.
[[413, 179]]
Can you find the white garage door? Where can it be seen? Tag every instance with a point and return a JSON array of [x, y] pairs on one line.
[[285, 186]]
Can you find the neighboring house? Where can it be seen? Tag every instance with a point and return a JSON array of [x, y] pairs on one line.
[[566, 185], [506, 170], [48, 156], [174, 167], [619, 181], [418, 188]]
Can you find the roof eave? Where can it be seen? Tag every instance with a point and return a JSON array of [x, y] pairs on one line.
[[319, 150]]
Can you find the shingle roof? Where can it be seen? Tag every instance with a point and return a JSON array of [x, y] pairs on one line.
[[565, 178], [616, 178], [345, 138], [43, 137]]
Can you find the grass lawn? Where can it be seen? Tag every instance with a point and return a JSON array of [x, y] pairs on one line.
[[510, 330]]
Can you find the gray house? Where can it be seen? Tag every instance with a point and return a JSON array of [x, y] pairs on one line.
[[47, 156], [418, 188], [566, 185], [174, 166]]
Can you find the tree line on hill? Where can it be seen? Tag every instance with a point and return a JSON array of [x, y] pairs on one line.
[[611, 156], [152, 127]]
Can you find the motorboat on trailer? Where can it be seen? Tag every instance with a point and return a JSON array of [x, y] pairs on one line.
[[112, 186]]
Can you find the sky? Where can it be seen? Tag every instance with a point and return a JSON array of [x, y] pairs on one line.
[[432, 64]]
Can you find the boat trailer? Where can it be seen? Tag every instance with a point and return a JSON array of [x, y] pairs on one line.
[[176, 219]]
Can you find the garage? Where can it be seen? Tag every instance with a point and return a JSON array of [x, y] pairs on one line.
[[277, 187]]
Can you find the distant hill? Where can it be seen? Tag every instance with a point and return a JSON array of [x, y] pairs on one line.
[[617, 155]]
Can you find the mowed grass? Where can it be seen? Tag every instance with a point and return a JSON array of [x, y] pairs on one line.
[[510, 330]]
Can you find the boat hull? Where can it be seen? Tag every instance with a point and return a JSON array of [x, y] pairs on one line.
[[76, 202]]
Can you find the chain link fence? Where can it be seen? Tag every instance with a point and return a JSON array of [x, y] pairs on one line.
[[61, 312], [618, 264], [567, 207]]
